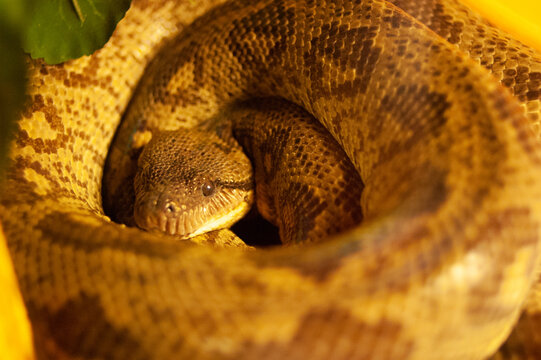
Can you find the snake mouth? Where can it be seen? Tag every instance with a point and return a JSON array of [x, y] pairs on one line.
[[182, 225], [182, 219]]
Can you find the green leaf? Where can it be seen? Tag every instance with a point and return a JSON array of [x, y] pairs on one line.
[[12, 70], [12, 13], [12, 85], [56, 30], [61, 30]]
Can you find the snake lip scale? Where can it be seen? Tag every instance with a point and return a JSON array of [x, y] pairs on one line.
[[438, 113]]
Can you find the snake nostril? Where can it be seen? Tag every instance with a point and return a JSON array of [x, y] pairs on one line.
[[171, 208]]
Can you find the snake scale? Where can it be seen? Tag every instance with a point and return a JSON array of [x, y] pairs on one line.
[[449, 248]]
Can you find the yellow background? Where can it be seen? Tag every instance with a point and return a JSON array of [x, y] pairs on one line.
[[520, 18]]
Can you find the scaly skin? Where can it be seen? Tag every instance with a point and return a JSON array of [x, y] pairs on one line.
[[305, 183], [440, 268]]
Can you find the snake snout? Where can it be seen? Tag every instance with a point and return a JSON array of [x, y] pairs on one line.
[[161, 212]]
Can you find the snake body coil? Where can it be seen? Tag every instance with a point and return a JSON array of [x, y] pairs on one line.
[[449, 246]]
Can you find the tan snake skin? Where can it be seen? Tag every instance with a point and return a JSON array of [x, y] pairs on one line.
[[449, 249], [304, 182]]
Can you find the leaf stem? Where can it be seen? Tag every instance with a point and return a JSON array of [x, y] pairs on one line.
[[78, 10]]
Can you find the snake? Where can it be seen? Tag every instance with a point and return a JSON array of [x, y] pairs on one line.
[[438, 112], [191, 181]]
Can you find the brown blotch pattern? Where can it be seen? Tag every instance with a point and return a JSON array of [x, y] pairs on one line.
[[331, 324]]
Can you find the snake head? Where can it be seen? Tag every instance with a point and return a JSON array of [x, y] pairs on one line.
[[190, 182]]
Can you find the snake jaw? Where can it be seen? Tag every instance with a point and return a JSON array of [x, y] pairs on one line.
[[157, 213]]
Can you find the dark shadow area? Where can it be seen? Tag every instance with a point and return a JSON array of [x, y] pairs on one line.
[[255, 231]]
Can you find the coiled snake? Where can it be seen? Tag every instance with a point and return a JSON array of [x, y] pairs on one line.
[[449, 247]]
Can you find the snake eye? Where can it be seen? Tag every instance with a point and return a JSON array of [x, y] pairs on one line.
[[207, 188]]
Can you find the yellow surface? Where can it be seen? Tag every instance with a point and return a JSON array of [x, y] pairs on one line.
[[520, 18], [15, 335]]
